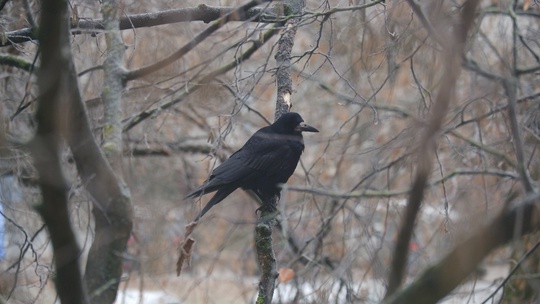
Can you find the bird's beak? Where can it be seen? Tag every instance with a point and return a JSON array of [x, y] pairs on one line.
[[303, 127]]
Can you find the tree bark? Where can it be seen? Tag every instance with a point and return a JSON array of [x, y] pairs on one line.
[[267, 219], [439, 280], [453, 48], [202, 12], [53, 82], [113, 215], [265, 252], [283, 57]]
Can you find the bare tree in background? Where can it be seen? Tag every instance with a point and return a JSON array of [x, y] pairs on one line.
[[427, 153]]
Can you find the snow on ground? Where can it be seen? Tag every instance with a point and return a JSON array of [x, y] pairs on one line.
[[134, 296], [330, 291]]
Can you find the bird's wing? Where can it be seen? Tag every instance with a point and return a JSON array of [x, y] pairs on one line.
[[258, 154], [263, 152]]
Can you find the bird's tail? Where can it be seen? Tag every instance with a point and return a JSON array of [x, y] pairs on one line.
[[206, 188], [196, 193], [218, 197]]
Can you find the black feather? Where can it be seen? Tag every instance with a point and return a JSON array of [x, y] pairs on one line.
[[267, 159]]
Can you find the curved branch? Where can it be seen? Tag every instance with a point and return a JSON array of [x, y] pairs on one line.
[[207, 78], [113, 218], [194, 42], [53, 81], [202, 12], [440, 279]]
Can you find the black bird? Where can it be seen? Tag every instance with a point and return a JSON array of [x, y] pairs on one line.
[[267, 159]]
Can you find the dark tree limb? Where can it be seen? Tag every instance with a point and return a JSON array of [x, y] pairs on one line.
[[202, 12], [511, 88], [113, 85], [53, 80], [453, 49], [217, 24], [16, 62], [439, 280], [62, 115], [113, 216], [267, 219], [2, 4], [265, 251], [110, 195], [283, 60], [169, 149]]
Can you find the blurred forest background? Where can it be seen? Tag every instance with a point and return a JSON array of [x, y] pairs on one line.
[[366, 74]]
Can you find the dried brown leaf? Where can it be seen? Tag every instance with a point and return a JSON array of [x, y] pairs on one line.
[[285, 275], [186, 248]]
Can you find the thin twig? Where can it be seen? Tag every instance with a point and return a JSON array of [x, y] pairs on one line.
[[511, 273], [217, 24], [188, 89], [453, 50], [202, 12], [440, 279], [368, 193]]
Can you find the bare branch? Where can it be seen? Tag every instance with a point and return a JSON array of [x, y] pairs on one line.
[[17, 62], [53, 80], [188, 89], [193, 43], [3, 3], [368, 193], [29, 13], [113, 216], [439, 280], [510, 87], [202, 12], [513, 271], [168, 149], [452, 52], [265, 253], [283, 73], [486, 149], [267, 219]]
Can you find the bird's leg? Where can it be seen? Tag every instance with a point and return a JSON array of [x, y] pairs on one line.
[[268, 212], [267, 208], [268, 202]]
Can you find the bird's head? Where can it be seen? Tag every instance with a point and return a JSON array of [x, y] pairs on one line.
[[292, 123]]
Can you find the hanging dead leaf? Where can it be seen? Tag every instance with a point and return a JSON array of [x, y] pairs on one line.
[[526, 4], [285, 275], [185, 248]]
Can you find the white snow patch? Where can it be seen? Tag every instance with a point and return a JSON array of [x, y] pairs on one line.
[[133, 296]]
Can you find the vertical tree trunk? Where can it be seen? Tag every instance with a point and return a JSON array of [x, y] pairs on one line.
[[113, 216], [283, 57], [267, 219], [265, 251], [53, 82]]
